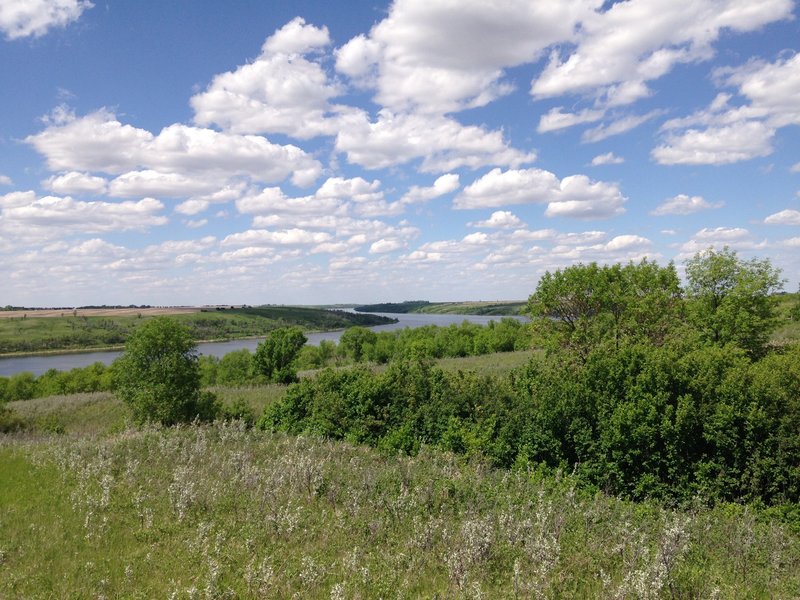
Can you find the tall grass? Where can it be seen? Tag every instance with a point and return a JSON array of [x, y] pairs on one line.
[[223, 511]]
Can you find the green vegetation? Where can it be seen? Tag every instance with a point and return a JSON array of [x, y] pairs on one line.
[[275, 356], [84, 332], [454, 308], [158, 376], [223, 511], [647, 449]]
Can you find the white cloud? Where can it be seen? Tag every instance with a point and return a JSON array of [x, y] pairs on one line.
[[795, 168], [288, 237], [620, 49], [23, 18], [442, 143], [622, 125], [575, 196], [716, 145], [581, 198], [383, 246], [684, 205], [501, 188], [74, 182], [736, 238], [443, 185], [500, 219], [155, 183], [52, 216], [556, 119], [438, 57], [99, 142], [281, 91], [609, 158], [5, 180], [734, 134], [784, 217]]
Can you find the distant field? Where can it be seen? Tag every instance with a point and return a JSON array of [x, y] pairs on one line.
[[86, 331], [97, 312]]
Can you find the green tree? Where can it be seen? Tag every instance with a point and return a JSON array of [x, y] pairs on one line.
[[356, 340], [583, 306], [275, 356], [158, 376], [732, 300]]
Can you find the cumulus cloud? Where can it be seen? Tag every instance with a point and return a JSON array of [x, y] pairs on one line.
[[500, 219], [684, 205], [575, 196], [5, 180], [737, 238], [442, 143], [284, 90], [24, 18], [723, 133], [716, 145], [620, 49], [438, 57], [24, 214], [784, 217], [74, 182], [99, 142]]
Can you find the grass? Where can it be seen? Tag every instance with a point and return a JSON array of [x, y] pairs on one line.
[[86, 332], [220, 511]]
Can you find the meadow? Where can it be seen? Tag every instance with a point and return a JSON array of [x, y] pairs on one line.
[[92, 507]]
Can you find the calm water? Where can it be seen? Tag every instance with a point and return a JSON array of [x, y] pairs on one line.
[[64, 362]]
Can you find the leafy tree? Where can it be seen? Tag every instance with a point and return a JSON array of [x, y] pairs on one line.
[[355, 342], [158, 376], [275, 356], [583, 306], [732, 300]]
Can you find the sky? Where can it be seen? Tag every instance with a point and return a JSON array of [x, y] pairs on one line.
[[312, 152]]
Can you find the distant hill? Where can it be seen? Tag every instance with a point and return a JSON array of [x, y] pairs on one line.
[[494, 308]]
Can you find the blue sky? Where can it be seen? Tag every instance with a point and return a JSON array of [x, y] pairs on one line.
[[198, 152]]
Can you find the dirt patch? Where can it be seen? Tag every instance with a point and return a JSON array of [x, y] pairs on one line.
[[97, 312]]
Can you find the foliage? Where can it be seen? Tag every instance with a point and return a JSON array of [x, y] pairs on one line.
[[355, 340], [733, 300], [408, 306], [584, 306], [643, 421], [158, 376], [275, 356]]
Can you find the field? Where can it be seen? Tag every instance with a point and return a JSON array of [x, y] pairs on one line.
[[55, 330]]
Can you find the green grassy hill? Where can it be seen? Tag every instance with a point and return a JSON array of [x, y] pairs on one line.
[[84, 332]]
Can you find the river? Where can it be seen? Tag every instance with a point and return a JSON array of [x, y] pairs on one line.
[[64, 362]]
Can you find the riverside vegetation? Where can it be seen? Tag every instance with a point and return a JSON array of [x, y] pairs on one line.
[[649, 450], [68, 332]]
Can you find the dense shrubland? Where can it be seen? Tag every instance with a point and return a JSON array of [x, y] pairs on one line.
[[646, 391]]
